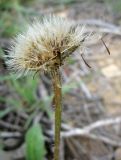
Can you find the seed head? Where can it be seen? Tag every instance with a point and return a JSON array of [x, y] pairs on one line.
[[43, 41]]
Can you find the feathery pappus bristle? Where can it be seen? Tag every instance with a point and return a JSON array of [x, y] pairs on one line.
[[37, 47]]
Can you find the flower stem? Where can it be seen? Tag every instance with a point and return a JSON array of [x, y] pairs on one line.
[[58, 109]]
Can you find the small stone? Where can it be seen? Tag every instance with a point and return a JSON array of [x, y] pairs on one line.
[[111, 71]]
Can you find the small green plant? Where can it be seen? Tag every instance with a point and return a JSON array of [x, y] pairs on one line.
[[26, 97], [25, 100]]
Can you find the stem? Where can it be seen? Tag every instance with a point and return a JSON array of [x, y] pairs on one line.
[[58, 109]]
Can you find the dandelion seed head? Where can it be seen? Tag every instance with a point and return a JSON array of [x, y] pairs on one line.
[[37, 47]]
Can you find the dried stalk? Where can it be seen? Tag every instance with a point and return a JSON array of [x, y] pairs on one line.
[[58, 109]]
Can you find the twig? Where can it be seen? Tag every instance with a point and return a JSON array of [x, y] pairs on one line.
[[10, 126], [77, 132], [10, 135], [86, 131], [102, 123]]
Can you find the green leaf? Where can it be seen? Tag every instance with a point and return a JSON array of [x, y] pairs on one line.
[[35, 148]]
